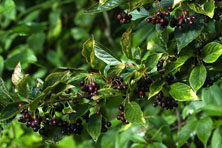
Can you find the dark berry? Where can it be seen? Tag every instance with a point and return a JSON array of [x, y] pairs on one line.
[[42, 131], [68, 91], [127, 122], [121, 108], [20, 105], [98, 112], [185, 12], [82, 83], [158, 13], [35, 129], [104, 129], [148, 20], [108, 124], [167, 14], [170, 8]]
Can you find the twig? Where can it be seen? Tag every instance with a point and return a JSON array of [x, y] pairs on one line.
[[108, 30]]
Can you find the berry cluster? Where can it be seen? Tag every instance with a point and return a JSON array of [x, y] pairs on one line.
[[166, 103], [117, 83], [121, 116], [142, 87], [186, 19], [124, 18], [89, 89], [105, 125], [41, 124], [159, 18]]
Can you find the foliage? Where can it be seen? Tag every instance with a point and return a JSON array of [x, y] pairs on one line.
[[154, 81]]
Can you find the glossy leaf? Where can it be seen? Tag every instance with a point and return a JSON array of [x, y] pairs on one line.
[[206, 9], [155, 88], [79, 110], [17, 75], [55, 78], [105, 55], [94, 126], [186, 131], [10, 110], [198, 77], [110, 4], [25, 57], [152, 60], [126, 43], [101, 2], [133, 113], [216, 141], [211, 52], [187, 35], [182, 92], [156, 145], [204, 127], [212, 110], [4, 94], [23, 87], [88, 51]]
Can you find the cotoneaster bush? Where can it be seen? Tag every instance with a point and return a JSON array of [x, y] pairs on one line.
[[165, 88]]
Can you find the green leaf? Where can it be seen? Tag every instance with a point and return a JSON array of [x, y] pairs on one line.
[[211, 52], [10, 110], [53, 134], [105, 55], [35, 103], [175, 2], [36, 42], [1, 65], [23, 87], [17, 75], [209, 8], [4, 94], [152, 60], [126, 43], [187, 35], [110, 4], [155, 43], [212, 95], [137, 3], [133, 113], [88, 51], [79, 109], [206, 9], [94, 126], [186, 131], [55, 78], [156, 145], [212, 110], [198, 77], [155, 88], [182, 92], [105, 93], [25, 57], [204, 127], [101, 2], [216, 141]]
